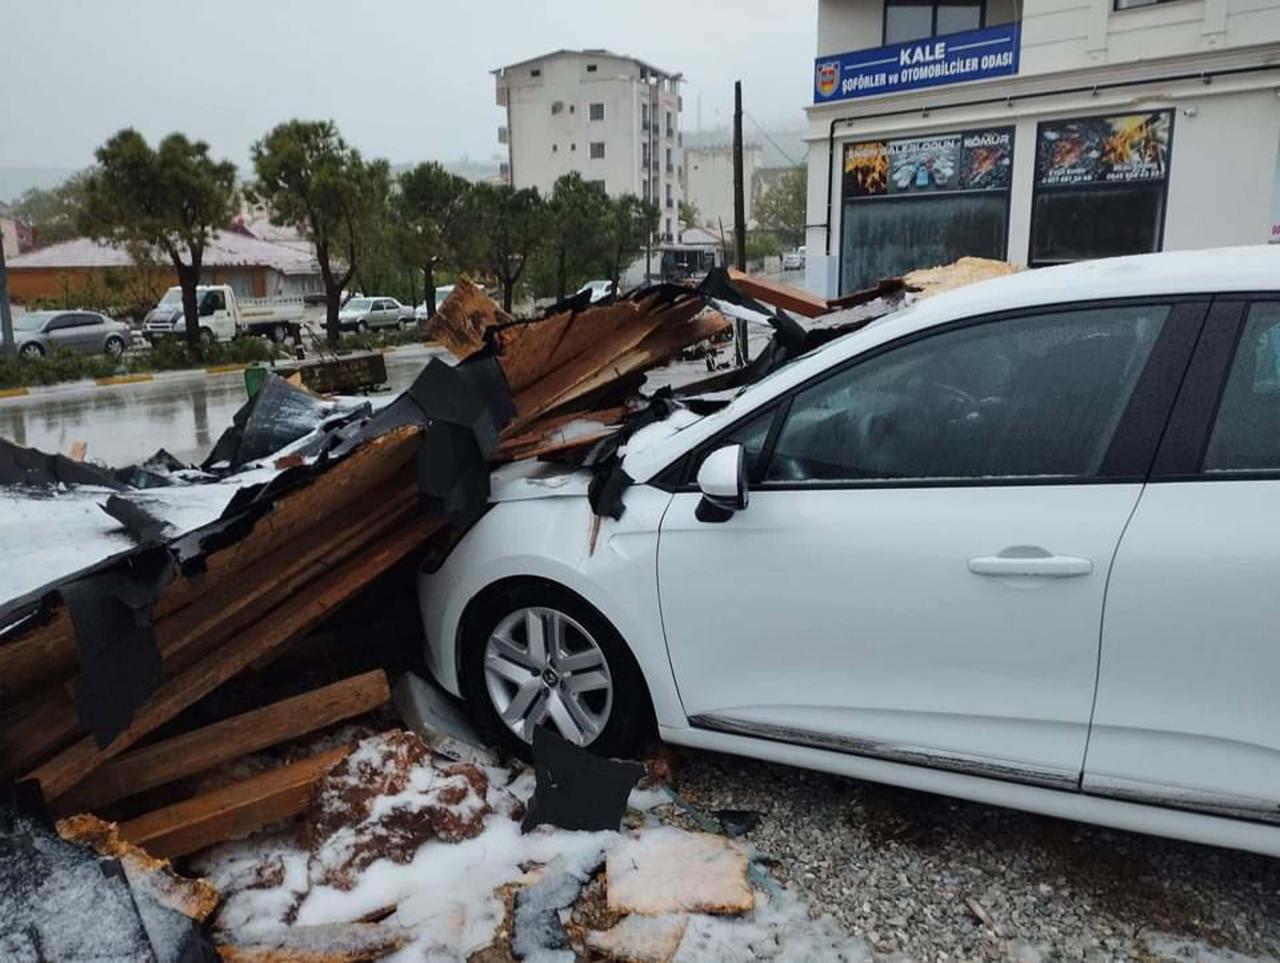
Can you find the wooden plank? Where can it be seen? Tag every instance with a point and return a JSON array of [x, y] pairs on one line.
[[560, 385], [37, 658], [284, 624], [779, 295], [460, 323], [882, 289], [42, 726], [221, 742], [232, 810], [319, 943]]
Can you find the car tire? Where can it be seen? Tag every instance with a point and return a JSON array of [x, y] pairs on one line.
[[114, 346], [622, 712], [362, 327], [32, 350], [278, 333], [206, 335]]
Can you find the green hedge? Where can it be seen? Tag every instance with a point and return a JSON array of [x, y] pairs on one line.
[[166, 355]]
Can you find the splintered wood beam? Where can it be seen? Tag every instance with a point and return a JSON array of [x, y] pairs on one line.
[[198, 751], [779, 295], [38, 729], [232, 810], [319, 943], [461, 321], [285, 623]]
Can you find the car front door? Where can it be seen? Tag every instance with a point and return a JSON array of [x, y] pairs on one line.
[[919, 574], [64, 332], [1187, 713]]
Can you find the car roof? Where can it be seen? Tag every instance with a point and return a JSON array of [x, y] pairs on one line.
[[1255, 268], [1220, 270]]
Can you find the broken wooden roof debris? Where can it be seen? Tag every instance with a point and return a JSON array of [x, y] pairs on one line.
[[101, 671]]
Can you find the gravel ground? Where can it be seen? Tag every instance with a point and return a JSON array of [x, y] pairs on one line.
[[923, 877]]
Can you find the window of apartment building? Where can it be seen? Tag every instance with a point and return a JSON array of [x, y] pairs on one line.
[[668, 227], [1133, 4], [591, 68], [923, 200], [1101, 186], [557, 107], [906, 20], [596, 112], [671, 127], [670, 165], [644, 155], [554, 149], [597, 150], [644, 116], [535, 72], [599, 184], [669, 201]]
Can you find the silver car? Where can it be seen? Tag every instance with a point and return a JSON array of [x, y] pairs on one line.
[[362, 314], [84, 332]]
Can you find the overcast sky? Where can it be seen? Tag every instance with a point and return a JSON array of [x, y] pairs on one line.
[[404, 80]]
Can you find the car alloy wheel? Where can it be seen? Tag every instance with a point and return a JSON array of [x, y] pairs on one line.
[[32, 351], [543, 667], [114, 347], [361, 327]]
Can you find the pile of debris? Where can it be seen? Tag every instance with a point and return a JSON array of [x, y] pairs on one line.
[[109, 675]]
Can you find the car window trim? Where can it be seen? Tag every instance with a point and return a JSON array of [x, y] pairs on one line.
[[1191, 308], [1186, 441]]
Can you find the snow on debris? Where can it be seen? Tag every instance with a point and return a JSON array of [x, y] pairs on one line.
[[400, 834]]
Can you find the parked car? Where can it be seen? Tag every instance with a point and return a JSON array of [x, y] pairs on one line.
[[363, 314], [793, 260], [599, 289], [889, 559], [37, 333], [420, 313]]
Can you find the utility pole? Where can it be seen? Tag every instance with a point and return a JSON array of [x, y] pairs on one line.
[[7, 348], [739, 219]]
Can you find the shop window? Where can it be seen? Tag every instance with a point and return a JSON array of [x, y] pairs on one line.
[[921, 201], [1101, 187], [906, 20]]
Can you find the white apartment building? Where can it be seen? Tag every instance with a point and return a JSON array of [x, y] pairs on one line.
[[613, 119], [1038, 132]]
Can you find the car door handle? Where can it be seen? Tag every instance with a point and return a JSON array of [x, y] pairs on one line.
[[1030, 560]]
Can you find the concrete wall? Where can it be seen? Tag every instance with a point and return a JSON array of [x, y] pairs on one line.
[[709, 183], [9, 229]]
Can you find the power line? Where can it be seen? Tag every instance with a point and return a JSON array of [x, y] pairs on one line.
[[769, 138]]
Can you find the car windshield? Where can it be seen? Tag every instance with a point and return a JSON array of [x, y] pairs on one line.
[[358, 304], [171, 298], [32, 321]]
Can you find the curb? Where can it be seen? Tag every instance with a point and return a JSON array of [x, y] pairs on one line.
[[123, 379], [224, 368]]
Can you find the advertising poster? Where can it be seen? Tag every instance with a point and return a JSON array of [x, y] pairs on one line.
[[963, 161], [1128, 148]]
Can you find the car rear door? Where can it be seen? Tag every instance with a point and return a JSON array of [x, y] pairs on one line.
[[919, 574], [64, 332], [1187, 713]]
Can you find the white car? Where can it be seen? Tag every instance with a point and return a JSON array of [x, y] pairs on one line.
[[1017, 543], [420, 313], [793, 260], [599, 289]]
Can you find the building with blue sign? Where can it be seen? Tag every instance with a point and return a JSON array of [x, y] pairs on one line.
[[1038, 132]]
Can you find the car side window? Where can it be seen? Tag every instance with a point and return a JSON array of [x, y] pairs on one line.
[[86, 320], [1029, 397], [752, 435], [1246, 431], [62, 322]]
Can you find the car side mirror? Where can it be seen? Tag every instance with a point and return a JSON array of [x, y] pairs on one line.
[[722, 479]]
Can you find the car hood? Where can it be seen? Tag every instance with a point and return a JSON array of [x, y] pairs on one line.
[[523, 480]]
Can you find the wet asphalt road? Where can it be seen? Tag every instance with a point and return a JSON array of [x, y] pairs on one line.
[[183, 413]]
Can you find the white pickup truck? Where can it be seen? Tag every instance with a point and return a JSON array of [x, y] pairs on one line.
[[223, 316]]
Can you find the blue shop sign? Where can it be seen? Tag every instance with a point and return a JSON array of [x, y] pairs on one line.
[[953, 59]]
